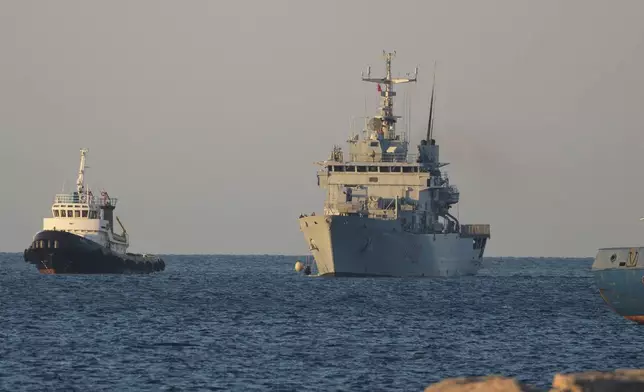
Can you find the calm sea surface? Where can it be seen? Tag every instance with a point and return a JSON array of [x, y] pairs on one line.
[[251, 323]]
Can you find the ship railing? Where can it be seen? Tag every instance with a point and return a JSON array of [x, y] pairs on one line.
[[75, 198], [383, 210], [345, 207], [384, 157], [478, 230]]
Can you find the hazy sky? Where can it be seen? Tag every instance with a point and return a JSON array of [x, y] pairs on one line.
[[205, 117]]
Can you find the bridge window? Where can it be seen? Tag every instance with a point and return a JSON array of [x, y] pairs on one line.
[[70, 213], [384, 169], [407, 169], [373, 144], [76, 214], [84, 213], [63, 213], [373, 168], [362, 169], [395, 169], [92, 215], [56, 213]]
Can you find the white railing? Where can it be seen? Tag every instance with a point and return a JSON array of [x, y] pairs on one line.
[[345, 208], [73, 198], [384, 157], [384, 206]]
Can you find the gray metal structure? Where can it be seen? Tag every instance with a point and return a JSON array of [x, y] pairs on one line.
[[387, 212]]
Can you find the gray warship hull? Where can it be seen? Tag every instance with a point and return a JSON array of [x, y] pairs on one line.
[[355, 246]]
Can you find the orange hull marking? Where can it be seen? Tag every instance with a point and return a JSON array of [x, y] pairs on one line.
[[637, 319], [48, 271]]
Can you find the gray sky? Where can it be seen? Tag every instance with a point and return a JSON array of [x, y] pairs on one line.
[[205, 117]]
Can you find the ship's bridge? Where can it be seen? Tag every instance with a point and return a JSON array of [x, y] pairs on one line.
[[378, 166], [80, 213], [75, 205]]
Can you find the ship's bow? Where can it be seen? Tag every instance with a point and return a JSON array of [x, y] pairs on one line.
[[619, 276], [317, 233], [55, 252]]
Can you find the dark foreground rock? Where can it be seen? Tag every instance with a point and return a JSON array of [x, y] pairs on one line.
[[630, 380]]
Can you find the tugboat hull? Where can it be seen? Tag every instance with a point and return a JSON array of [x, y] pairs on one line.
[[60, 252]]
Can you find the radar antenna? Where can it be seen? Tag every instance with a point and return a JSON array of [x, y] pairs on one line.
[[388, 129]]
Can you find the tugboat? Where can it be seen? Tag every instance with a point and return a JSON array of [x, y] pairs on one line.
[[79, 238]]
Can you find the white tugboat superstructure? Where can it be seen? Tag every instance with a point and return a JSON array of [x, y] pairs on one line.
[[85, 215], [386, 212]]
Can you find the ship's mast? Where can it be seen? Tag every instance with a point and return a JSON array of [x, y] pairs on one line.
[[387, 116], [430, 125], [80, 182]]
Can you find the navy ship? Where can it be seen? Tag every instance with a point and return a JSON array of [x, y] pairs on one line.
[[79, 237], [387, 212], [620, 280]]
